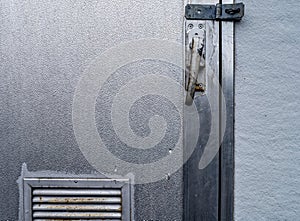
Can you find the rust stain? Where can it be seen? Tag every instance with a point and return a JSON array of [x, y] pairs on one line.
[[78, 200]]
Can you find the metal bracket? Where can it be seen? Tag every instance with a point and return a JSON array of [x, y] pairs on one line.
[[219, 12]]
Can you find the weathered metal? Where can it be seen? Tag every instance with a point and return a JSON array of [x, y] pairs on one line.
[[65, 198], [221, 12]]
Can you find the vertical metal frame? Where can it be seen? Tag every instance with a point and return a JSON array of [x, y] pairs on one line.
[[201, 186], [209, 193], [226, 211]]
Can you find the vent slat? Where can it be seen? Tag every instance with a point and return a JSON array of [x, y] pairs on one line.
[[77, 207], [76, 192], [77, 215], [51, 219], [58, 199]]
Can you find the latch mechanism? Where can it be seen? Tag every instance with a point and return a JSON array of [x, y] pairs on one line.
[[197, 33], [195, 55], [220, 12]]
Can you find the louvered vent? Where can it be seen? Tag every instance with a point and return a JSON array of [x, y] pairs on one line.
[[70, 199]]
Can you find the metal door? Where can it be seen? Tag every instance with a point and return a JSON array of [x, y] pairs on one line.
[[111, 72]]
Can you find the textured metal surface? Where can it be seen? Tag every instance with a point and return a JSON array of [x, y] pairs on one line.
[[44, 48], [76, 198]]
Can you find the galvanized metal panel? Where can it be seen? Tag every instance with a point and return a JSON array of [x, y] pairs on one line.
[[45, 45]]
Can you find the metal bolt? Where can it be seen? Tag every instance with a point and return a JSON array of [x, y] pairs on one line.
[[201, 26], [190, 26]]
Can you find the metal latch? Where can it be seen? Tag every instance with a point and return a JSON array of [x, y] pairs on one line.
[[195, 57], [219, 12], [195, 41]]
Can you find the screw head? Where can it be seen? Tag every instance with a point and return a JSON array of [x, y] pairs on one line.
[[190, 26]]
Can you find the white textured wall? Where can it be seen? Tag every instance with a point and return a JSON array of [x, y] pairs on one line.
[[267, 182]]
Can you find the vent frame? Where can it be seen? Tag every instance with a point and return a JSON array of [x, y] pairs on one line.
[[123, 185]]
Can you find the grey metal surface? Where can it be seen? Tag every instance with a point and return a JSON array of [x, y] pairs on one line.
[[201, 203], [44, 48], [226, 155], [200, 12]]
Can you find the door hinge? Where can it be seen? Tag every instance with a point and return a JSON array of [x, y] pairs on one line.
[[219, 12]]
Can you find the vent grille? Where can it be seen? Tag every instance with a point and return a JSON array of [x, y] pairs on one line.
[[76, 203], [69, 199]]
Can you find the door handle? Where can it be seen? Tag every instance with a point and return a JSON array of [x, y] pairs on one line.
[[195, 57]]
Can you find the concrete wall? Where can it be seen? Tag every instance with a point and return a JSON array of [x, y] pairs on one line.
[[267, 184]]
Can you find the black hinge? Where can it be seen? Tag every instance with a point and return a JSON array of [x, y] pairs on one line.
[[220, 12]]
